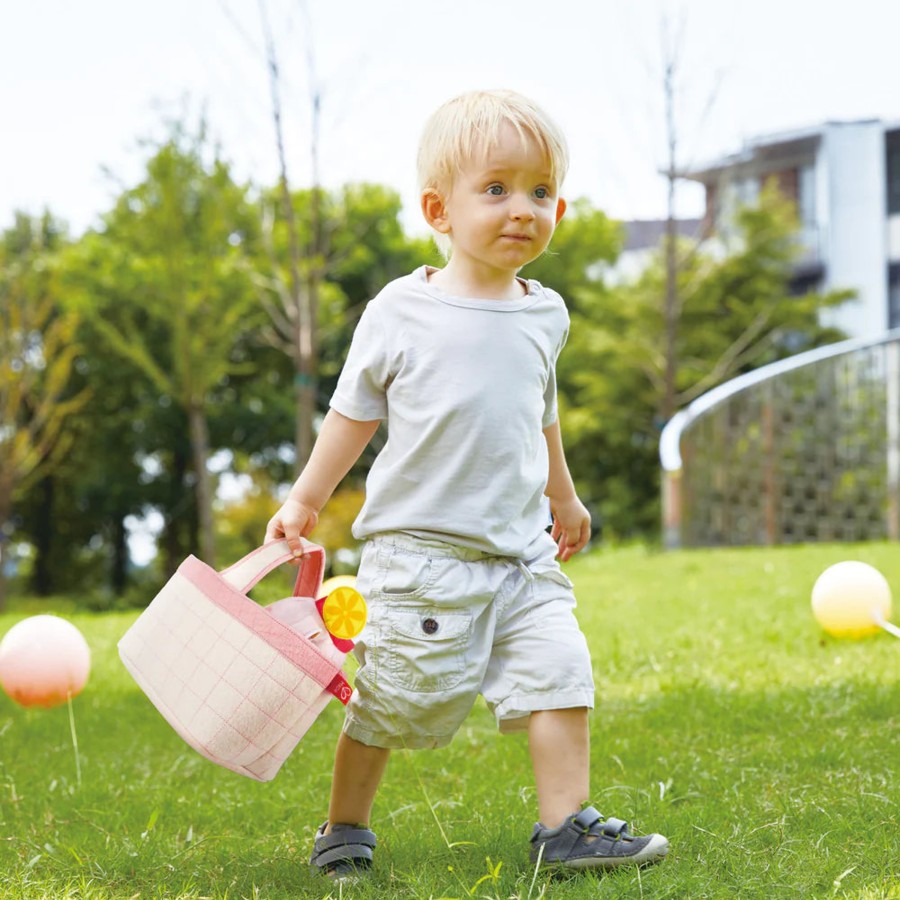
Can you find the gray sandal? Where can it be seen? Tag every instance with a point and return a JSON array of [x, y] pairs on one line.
[[345, 854], [587, 840]]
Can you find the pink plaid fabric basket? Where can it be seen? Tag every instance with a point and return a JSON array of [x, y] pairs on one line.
[[241, 683]]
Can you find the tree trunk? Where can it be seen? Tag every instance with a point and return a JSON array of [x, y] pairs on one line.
[[120, 556], [199, 432], [304, 296], [671, 310], [307, 337], [6, 492], [173, 545], [45, 576], [5, 510]]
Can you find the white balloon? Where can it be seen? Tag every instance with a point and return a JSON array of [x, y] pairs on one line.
[[44, 660], [850, 598]]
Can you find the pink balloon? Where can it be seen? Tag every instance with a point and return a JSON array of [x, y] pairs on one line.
[[44, 660]]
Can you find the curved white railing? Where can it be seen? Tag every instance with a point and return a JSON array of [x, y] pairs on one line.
[[670, 444], [670, 438]]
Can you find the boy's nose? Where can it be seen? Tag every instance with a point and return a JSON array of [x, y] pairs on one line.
[[520, 209]]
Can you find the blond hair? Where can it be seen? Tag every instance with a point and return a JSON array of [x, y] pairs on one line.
[[471, 123]]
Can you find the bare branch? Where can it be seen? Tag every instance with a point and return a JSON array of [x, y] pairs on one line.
[[739, 352]]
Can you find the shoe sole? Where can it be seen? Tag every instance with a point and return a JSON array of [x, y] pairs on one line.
[[348, 879]]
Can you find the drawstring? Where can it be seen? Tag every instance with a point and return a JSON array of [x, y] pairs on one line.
[[527, 574]]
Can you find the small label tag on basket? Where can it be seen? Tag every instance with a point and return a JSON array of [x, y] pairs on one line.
[[340, 687]]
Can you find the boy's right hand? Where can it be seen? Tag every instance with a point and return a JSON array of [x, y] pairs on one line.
[[294, 520]]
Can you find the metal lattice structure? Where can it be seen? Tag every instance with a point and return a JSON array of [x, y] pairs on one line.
[[806, 449]]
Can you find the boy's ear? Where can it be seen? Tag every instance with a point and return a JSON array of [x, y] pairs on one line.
[[560, 209], [435, 211]]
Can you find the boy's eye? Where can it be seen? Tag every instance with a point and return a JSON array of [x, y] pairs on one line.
[[495, 189], [541, 193]]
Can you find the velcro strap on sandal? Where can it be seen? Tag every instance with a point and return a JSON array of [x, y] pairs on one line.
[[572, 831], [587, 818], [344, 845], [614, 828], [355, 853], [346, 836]]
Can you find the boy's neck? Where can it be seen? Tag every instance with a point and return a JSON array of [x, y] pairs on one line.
[[483, 285]]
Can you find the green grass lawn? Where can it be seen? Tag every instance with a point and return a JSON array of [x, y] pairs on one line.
[[767, 752]]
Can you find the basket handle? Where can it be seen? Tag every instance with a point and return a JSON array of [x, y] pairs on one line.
[[246, 572]]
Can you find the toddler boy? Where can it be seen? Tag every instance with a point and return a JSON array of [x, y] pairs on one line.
[[465, 593]]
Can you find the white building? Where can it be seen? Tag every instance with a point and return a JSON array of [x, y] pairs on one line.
[[643, 240], [845, 180]]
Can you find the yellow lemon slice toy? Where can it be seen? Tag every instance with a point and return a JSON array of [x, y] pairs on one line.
[[344, 612]]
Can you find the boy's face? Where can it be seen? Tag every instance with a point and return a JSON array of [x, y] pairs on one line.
[[502, 209]]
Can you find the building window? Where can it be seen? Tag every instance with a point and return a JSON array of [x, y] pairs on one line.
[[893, 172], [746, 191], [894, 296], [806, 202]]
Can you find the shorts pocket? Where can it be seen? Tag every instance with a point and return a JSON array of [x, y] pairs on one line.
[[552, 582], [553, 595], [557, 576], [403, 575], [425, 649]]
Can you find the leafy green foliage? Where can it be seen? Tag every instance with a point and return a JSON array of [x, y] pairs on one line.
[[171, 297], [37, 359], [166, 296], [362, 248], [736, 312], [177, 299]]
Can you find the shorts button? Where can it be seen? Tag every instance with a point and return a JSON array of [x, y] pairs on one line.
[[429, 626]]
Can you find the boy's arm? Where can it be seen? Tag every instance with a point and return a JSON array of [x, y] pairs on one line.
[[338, 446], [571, 520]]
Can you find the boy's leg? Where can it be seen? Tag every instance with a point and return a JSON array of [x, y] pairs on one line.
[[567, 834], [344, 844], [358, 769], [559, 742]]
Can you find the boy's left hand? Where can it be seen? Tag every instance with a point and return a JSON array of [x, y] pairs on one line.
[[571, 527]]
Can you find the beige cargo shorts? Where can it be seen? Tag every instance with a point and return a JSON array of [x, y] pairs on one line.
[[446, 624]]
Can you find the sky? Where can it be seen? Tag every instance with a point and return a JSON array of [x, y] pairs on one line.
[[84, 86]]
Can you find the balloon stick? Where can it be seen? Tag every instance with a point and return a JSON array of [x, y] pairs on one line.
[[883, 623], [74, 741]]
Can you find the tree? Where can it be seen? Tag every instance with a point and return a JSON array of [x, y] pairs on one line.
[[75, 516], [363, 247], [296, 312], [37, 356], [165, 286], [131, 449], [736, 313], [585, 243]]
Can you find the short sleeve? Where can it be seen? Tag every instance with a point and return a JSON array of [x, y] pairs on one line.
[[361, 389], [551, 412]]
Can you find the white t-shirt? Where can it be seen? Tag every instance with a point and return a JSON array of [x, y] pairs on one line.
[[466, 387]]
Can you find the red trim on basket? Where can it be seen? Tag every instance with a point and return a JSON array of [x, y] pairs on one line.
[[277, 635], [309, 574]]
